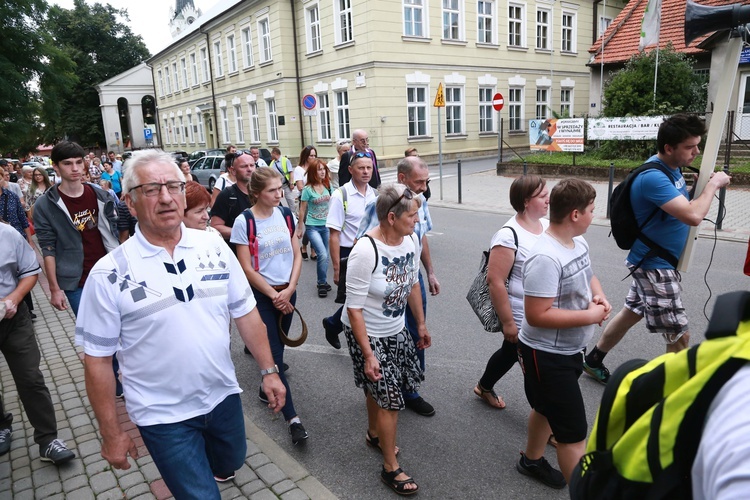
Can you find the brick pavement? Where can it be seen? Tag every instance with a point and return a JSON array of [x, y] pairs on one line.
[[268, 472]]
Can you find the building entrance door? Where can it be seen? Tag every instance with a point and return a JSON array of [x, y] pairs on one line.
[[742, 121]]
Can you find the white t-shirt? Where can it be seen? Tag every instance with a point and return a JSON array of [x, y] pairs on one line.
[[349, 221], [223, 182], [275, 255], [382, 294], [167, 317], [554, 271], [526, 241], [721, 469]]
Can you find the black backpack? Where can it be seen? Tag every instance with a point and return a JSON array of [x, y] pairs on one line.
[[623, 223]]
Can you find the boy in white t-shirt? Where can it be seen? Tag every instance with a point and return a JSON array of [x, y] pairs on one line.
[[563, 301]]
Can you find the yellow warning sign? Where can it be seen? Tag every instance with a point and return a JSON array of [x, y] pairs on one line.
[[440, 97]]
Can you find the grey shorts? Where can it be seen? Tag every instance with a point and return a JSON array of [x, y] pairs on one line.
[[655, 295]]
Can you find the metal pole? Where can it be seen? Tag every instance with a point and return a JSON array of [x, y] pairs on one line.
[[311, 130], [611, 183], [440, 153], [722, 197], [459, 181], [499, 138]]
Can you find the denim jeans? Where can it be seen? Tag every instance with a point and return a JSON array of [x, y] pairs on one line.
[[189, 453], [318, 236], [270, 316], [411, 325]]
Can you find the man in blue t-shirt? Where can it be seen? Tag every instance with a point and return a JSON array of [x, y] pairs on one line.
[[655, 290]]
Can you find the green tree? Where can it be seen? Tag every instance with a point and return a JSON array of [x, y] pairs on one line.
[[100, 46], [23, 49]]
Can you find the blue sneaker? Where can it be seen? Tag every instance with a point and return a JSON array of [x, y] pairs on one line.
[[600, 374]]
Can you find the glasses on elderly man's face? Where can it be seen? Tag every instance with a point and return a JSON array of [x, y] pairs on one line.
[[152, 189], [406, 194]]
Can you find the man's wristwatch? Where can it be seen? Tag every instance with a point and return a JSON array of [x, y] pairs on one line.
[[273, 369]]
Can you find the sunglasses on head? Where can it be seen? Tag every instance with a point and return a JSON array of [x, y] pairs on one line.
[[406, 194], [363, 154]]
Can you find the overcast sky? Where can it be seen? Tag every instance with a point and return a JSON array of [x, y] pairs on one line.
[[148, 18]]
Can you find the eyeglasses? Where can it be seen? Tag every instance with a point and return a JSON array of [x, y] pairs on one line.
[[154, 188], [406, 194], [363, 154]]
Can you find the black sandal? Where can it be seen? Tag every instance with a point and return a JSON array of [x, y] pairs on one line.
[[304, 254], [374, 442], [389, 478]]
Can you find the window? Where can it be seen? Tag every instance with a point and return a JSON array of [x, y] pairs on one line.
[[413, 18], [515, 109], [342, 114], [568, 35], [247, 47], [182, 130], [225, 125], [451, 20], [604, 23], [161, 82], [454, 110], [313, 29], [176, 77], [219, 60], [231, 54], [183, 66], [204, 63], [343, 21], [417, 111], [485, 109], [254, 122], [175, 133], [190, 126], [167, 140], [265, 40], [485, 21], [515, 25], [324, 118], [542, 29], [194, 68], [566, 102], [273, 121], [168, 80], [201, 130], [240, 129], [542, 103]]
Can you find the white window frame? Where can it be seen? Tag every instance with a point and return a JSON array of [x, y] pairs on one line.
[[486, 111], [252, 108], [218, 59], [341, 98], [455, 124], [487, 22], [542, 108], [415, 21], [604, 22], [160, 77], [247, 47], [191, 134], [312, 25], [417, 110], [194, 68], [273, 121], [183, 135], [185, 77], [232, 54], [450, 14], [543, 35], [566, 102], [238, 124], [176, 77], [201, 129], [516, 25], [343, 29], [204, 64], [224, 125], [568, 31], [264, 40], [167, 139], [515, 107], [168, 79], [324, 117], [175, 132]]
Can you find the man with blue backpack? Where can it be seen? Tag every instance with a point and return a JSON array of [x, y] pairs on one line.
[[656, 199]]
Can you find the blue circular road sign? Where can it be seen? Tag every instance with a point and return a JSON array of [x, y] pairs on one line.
[[309, 101]]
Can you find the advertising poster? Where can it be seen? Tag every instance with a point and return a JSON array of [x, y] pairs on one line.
[[553, 134], [626, 128]]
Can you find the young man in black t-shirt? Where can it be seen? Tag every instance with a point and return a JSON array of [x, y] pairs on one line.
[[233, 200]]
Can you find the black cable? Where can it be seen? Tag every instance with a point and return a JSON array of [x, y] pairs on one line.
[[719, 216]]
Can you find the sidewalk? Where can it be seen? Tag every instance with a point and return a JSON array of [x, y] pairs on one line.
[[268, 473]]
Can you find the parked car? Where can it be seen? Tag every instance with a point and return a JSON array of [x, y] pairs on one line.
[[197, 155], [177, 155], [52, 175], [206, 170]]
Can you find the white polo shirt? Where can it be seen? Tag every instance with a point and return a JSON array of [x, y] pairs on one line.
[[167, 318], [355, 210]]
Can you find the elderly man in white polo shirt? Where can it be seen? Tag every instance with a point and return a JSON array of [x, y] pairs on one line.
[[162, 301]]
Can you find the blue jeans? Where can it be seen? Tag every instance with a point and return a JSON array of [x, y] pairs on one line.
[[189, 453], [318, 236], [270, 316], [74, 299], [411, 325]]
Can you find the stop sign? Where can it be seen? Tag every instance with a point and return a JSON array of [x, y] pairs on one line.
[[498, 101]]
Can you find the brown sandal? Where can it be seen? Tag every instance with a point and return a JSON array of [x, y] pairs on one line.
[[490, 396]]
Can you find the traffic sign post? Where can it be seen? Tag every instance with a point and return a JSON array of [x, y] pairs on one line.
[[497, 104], [309, 102], [440, 103]]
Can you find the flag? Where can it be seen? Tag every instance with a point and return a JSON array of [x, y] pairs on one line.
[[651, 24]]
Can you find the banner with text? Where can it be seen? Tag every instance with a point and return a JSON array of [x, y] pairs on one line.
[[556, 134], [628, 128]]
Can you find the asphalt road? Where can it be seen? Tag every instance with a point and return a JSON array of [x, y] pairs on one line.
[[468, 449]]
